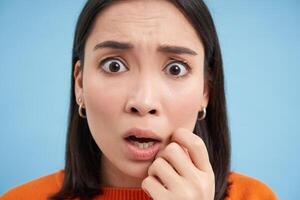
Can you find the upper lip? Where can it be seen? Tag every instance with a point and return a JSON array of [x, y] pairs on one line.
[[142, 133]]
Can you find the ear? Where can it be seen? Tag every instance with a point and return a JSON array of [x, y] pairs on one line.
[[205, 99], [78, 74]]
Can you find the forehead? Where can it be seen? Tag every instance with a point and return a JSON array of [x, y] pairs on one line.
[[144, 22]]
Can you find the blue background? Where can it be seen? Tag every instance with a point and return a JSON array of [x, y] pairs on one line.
[[261, 52]]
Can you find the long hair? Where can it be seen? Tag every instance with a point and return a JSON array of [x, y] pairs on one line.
[[83, 156]]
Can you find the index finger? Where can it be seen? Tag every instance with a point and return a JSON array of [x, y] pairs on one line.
[[195, 147]]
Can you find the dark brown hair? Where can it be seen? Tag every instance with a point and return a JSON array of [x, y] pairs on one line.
[[82, 159]]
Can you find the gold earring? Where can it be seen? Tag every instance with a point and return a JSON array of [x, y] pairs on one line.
[[203, 115]]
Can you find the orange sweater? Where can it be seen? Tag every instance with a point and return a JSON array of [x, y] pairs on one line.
[[242, 187]]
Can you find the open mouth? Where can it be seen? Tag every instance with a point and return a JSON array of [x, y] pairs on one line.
[[141, 142]]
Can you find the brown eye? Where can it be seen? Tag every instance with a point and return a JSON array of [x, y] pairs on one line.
[[113, 65], [177, 69]]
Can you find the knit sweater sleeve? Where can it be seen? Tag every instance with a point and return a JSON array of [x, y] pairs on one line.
[[248, 188], [39, 188]]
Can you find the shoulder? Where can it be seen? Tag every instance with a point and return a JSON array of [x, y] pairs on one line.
[[247, 188], [39, 188]]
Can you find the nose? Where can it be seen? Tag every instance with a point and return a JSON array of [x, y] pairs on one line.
[[142, 110], [142, 99]]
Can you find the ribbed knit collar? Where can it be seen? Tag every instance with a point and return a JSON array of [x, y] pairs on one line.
[[123, 193]]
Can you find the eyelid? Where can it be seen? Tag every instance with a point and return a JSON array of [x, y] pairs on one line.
[[102, 61], [182, 62]]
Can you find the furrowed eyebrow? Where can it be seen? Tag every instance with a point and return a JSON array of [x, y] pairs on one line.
[[113, 45], [163, 48], [176, 50]]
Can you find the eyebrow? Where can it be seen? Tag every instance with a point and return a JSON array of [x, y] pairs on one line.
[[113, 45], [176, 50], [163, 48]]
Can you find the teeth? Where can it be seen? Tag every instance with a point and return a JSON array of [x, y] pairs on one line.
[[143, 145]]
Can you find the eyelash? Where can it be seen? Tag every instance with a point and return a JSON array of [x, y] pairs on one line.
[[172, 60], [184, 63]]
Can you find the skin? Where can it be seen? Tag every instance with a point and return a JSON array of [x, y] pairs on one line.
[[181, 169]]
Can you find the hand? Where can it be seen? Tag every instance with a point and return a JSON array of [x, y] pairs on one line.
[[182, 170]]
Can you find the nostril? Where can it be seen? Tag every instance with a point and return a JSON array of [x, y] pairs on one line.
[[152, 111], [133, 109]]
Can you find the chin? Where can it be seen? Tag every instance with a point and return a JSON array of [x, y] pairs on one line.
[[138, 170]]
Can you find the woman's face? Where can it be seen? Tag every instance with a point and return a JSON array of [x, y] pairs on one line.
[[149, 76]]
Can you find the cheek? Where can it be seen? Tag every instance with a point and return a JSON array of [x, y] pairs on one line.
[[100, 104], [103, 106], [185, 106]]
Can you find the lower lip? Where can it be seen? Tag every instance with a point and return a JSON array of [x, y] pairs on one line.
[[136, 153]]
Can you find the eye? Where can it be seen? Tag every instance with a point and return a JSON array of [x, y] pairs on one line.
[[112, 65], [178, 69]]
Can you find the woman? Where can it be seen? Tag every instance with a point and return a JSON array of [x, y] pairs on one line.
[[147, 111]]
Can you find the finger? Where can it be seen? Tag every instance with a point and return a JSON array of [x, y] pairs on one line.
[[195, 146], [154, 188], [167, 175], [177, 157]]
